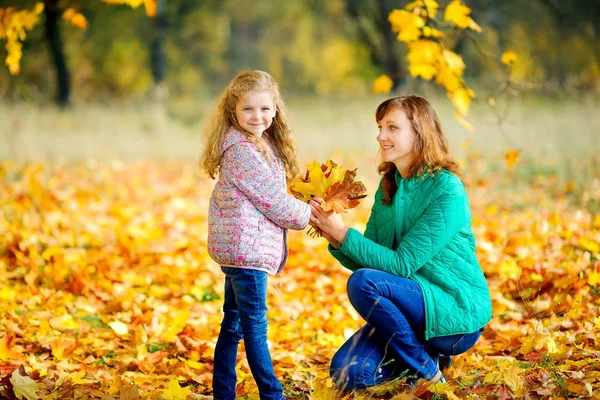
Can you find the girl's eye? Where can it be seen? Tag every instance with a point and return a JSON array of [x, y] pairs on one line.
[[247, 109], [266, 109], [393, 128]]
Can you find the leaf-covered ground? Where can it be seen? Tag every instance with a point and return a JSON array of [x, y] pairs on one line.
[[108, 293]]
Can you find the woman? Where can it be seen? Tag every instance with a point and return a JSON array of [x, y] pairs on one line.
[[416, 279]]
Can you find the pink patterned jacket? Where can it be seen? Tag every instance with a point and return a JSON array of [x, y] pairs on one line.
[[250, 209]]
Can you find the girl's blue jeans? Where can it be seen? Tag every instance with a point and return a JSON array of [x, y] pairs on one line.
[[245, 317], [392, 344]]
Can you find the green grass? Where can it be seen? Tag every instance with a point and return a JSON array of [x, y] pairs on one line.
[[554, 137]]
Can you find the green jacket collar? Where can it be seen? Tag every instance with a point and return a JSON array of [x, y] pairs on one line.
[[411, 183]]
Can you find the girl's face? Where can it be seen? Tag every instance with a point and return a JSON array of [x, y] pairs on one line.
[[397, 139], [255, 112]]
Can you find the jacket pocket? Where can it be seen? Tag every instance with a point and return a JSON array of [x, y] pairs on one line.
[[248, 242]]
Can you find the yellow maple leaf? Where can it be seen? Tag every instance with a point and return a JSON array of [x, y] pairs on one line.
[[589, 245], [7, 349], [176, 325], [430, 6], [407, 24], [447, 78], [594, 278], [423, 57], [149, 5], [313, 183], [458, 14], [23, 386], [75, 18], [383, 84], [425, 71], [461, 99], [454, 61], [175, 392], [510, 269]]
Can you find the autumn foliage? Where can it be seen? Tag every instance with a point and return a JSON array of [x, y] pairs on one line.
[[330, 182], [15, 23], [108, 292]]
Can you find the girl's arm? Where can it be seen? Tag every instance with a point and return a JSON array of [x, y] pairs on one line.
[[243, 165], [436, 227]]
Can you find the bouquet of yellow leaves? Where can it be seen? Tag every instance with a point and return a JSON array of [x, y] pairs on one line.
[[332, 183]]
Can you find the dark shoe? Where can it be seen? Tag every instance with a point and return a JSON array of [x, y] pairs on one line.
[[444, 362], [412, 382]]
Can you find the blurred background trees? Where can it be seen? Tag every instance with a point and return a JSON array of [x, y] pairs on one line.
[[193, 48]]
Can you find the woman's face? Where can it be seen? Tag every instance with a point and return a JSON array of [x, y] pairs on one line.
[[397, 139]]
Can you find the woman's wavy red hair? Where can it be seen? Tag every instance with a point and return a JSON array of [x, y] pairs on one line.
[[431, 147]]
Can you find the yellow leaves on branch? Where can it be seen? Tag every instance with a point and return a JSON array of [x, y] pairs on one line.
[[458, 14], [383, 84], [149, 5], [13, 27], [15, 24], [429, 56], [75, 18]]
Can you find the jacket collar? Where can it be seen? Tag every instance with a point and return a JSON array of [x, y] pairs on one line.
[[410, 184]]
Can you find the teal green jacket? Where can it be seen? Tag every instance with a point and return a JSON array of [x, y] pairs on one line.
[[431, 219]]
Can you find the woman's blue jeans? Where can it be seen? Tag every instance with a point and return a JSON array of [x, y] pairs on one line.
[[392, 344], [245, 317]]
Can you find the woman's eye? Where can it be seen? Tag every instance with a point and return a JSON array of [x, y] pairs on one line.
[[393, 128], [266, 109]]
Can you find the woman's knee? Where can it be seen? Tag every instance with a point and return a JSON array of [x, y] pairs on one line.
[[358, 282]]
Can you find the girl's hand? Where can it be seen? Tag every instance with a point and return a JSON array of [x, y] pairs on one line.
[[330, 222]]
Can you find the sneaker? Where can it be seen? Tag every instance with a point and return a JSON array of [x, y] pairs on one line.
[[444, 362]]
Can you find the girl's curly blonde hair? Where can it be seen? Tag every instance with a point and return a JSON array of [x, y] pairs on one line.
[[279, 135]]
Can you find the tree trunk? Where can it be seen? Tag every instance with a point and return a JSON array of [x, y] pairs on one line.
[[158, 48], [56, 49], [157, 51]]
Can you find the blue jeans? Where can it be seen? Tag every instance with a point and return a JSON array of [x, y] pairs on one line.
[[392, 344], [245, 317]]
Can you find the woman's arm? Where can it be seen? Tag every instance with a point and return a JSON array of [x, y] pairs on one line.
[[434, 229], [247, 170], [334, 245]]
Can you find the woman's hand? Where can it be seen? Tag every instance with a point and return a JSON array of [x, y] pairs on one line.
[[330, 223]]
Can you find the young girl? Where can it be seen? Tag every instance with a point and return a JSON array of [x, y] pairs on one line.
[[250, 146], [417, 282]]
